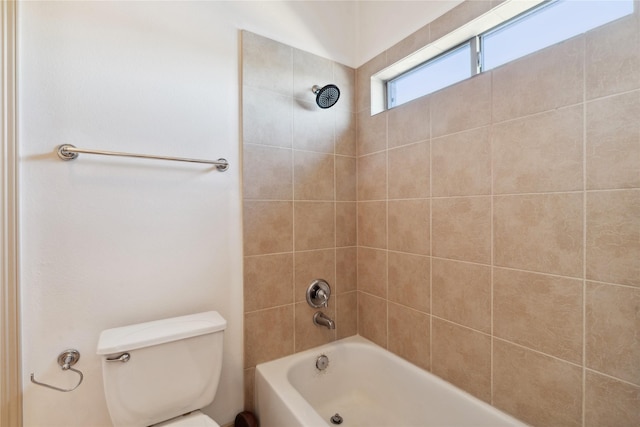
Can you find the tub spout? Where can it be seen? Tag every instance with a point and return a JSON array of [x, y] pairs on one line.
[[321, 319]]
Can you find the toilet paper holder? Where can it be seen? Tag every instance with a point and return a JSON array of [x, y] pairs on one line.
[[66, 360]]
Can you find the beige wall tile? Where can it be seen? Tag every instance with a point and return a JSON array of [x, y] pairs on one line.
[[610, 403], [346, 269], [409, 334], [542, 232], [613, 142], [458, 16], [345, 178], [312, 265], [308, 334], [372, 224], [539, 311], [346, 213], [451, 110], [409, 122], [266, 64], [347, 317], [267, 173], [612, 325], [537, 389], [345, 78], [613, 236], [372, 318], [461, 163], [345, 133], [313, 127], [409, 226], [371, 132], [268, 227], [539, 232], [309, 70], [372, 177], [462, 357], [313, 176], [266, 123], [613, 58], [372, 271], [461, 228], [462, 293], [409, 44], [540, 153], [409, 171], [268, 275], [519, 89], [268, 335], [314, 226], [363, 80], [409, 280]]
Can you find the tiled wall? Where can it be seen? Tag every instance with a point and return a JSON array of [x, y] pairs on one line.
[[499, 227], [299, 200]]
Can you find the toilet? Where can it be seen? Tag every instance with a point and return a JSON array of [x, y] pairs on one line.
[[161, 373]]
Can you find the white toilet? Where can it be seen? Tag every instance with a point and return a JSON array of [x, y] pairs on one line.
[[156, 372]]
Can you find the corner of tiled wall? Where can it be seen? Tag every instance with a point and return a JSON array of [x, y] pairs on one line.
[[499, 226], [299, 184]]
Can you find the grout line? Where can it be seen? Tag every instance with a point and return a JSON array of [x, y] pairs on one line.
[[612, 377], [584, 233], [260, 310], [580, 192], [430, 233], [460, 325], [533, 350], [357, 137], [409, 144], [293, 221], [386, 243], [492, 254]]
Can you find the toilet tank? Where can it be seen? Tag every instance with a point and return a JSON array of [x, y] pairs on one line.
[[173, 367]]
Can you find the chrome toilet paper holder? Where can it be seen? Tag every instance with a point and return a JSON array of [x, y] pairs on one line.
[[66, 360]]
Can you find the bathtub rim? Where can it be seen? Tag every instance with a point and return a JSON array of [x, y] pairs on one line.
[[290, 397]]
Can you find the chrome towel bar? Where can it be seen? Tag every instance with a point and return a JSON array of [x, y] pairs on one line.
[[70, 152]]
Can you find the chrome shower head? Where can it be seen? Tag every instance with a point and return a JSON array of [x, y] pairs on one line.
[[327, 96]]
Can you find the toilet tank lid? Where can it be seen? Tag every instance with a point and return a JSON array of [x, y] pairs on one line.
[[157, 332]]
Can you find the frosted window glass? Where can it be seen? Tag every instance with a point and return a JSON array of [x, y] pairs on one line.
[[435, 74], [553, 23]]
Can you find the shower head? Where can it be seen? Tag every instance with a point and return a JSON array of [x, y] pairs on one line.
[[327, 96]]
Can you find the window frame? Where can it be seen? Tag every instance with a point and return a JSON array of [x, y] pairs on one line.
[[477, 63], [473, 44]]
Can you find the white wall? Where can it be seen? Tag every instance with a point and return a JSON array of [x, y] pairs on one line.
[[381, 24], [107, 242]]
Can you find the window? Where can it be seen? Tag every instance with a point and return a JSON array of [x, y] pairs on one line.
[[439, 72], [547, 23]]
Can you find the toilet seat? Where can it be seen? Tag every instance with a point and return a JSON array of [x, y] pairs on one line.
[[194, 419]]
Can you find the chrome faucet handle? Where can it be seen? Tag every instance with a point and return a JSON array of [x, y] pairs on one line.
[[322, 295], [318, 293]]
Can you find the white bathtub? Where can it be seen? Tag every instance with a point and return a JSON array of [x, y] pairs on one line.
[[368, 386]]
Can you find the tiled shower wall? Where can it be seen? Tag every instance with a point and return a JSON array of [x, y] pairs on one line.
[[299, 200], [499, 227]]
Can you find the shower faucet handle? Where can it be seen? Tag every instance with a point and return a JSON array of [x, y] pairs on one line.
[[322, 295], [318, 293]]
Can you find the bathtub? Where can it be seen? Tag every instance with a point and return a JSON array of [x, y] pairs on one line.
[[367, 386]]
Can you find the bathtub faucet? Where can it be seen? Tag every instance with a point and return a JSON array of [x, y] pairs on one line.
[[322, 319]]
